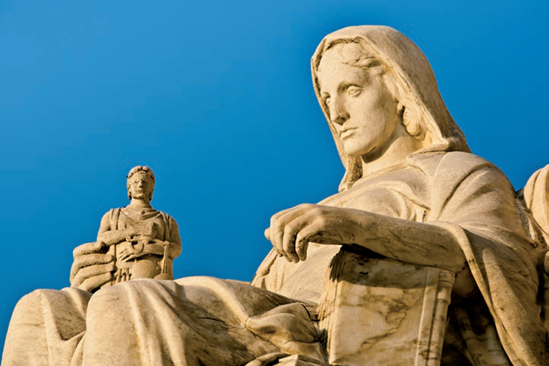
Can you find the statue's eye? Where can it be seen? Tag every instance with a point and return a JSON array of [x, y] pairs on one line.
[[354, 90], [327, 100]]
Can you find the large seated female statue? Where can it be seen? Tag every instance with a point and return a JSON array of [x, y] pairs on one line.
[[413, 199]]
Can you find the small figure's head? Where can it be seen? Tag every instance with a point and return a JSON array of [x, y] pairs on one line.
[[140, 183]]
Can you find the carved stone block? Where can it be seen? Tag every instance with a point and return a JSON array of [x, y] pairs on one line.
[[384, 312]]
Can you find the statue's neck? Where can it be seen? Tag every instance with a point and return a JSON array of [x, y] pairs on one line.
[[393, 153], [137, 203]]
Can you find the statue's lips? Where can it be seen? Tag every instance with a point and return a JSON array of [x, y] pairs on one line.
[[347, 132]]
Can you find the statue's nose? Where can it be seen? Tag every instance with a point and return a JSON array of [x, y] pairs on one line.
[[338, 114]]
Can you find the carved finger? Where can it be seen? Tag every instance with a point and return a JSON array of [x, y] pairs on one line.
[[299, 360], [95, 282], [301, 247], [296, 362], [267, 359], [89, 260], [307, 234], [280, 213], [87, 248], [279, 222], [273, 229], [89, 272], [291, 231], [127, 257]]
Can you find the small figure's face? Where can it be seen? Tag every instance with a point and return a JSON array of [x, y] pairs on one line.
[[141, 187], [361, 108]]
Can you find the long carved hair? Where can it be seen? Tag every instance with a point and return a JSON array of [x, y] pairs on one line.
[[412, 73]]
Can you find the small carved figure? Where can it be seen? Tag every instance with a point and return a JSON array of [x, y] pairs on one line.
[[142, 241]]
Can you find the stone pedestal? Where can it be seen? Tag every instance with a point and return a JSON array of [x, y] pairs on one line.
[[378, 311]]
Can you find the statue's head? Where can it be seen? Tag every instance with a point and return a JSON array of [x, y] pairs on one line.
[[373, 83], [140, 183]]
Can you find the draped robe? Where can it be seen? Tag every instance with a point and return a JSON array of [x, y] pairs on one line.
[[206, 321]]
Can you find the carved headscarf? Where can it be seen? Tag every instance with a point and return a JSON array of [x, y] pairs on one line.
[[412, 72]]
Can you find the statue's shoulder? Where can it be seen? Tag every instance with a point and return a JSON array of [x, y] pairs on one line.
[[168, 219], [453, 164], [465, 160], [111, 213], [114, 213]]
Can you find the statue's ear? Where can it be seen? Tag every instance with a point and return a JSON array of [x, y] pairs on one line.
[[412, 118]]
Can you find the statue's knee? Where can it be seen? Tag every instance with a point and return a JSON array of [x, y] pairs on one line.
[[31, 298], [102, 298], [32, 301], [28, 309], [109, 299]]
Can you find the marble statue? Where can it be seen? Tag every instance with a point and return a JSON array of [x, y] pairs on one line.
[[141, 241], [425, 256]]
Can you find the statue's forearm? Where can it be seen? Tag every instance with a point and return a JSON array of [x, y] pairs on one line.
[[115, 236], [405, 240], [159, 248], [411, 242]]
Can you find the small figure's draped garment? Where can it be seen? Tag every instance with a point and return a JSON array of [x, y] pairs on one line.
[[119, 219]]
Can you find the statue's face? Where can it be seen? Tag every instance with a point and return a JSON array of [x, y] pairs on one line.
[[141, 186], [361, 108]]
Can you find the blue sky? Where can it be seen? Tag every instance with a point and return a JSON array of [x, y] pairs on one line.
[[216, 96]]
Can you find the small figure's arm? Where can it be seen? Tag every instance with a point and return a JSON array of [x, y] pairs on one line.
[[110, 237], [174, 247]]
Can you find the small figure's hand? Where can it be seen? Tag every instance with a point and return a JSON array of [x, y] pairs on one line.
[[291, 230], [127, 254], [91, 268], [153, 247]]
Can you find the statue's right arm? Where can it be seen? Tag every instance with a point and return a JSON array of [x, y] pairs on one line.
[[108, 236]]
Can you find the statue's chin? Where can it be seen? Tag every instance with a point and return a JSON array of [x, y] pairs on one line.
[[356, 148]]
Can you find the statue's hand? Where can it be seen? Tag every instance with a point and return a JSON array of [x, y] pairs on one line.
[[284, 359], [291, 230], [91, 269], [155, 247], [127, 254]]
